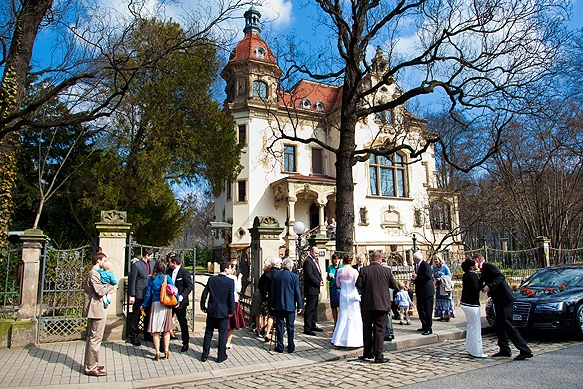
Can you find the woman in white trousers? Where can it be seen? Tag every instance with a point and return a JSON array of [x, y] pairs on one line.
[[470, 304]]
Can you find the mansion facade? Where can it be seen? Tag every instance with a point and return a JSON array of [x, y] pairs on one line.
[[397, 203]]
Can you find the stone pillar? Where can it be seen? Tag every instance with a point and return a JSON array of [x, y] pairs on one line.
[[265, 242], [113, 231], [543, 244], [32, 244], [321, 218]]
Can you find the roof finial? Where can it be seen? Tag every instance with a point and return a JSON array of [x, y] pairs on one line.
[[252, 17]]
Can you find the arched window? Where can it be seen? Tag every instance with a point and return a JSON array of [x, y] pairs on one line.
[[387, 176], [440, 215], [259, 89]]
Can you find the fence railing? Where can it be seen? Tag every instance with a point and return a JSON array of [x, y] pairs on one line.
[[10, 279]]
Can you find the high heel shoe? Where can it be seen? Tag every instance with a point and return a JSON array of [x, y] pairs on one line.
[[157, 357], [166, 354]]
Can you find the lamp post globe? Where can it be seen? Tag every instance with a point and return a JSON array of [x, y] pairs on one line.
[[299, 228]]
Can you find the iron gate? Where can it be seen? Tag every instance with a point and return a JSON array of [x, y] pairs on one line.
[[135, 253], [61, 294], [10, 274]]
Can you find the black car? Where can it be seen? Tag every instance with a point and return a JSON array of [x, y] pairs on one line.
[[550, 299]]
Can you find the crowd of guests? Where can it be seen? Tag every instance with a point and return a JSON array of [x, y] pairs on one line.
[[363, 299]]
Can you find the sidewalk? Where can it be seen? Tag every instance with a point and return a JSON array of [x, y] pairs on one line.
[[59, 365]]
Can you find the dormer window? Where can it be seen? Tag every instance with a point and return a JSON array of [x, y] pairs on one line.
[[260, 52], [306, 103], [320, 106]]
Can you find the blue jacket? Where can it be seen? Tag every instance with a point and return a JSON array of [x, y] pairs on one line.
[[285, 292], [153, 289]]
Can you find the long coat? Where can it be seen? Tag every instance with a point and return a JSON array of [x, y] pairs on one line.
[[94, 290], [374, 282], [424, 281], [500, 291]]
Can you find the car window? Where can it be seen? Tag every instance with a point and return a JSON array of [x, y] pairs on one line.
[[553, 278]]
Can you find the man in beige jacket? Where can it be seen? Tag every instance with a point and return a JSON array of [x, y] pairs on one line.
[[94, 311]]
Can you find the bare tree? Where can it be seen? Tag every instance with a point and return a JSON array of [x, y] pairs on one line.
[[484, 57], [91, 47]]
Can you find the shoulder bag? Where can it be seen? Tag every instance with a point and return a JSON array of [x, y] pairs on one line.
[[165, 298]]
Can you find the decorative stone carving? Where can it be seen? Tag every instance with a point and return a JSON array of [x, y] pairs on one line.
[[113, 217], [265, 221]]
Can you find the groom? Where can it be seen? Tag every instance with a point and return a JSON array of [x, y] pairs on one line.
[[374, 282]]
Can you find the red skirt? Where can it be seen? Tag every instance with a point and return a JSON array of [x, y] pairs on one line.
[[237, 320]]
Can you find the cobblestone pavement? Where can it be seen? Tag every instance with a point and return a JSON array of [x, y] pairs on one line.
[[405, 367], [315, 363]]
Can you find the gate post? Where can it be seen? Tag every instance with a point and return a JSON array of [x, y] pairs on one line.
[[32, 244], [543, 255], [264, 242], [113, 231]]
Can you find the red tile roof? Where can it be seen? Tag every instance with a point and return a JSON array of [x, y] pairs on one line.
[[246, 50], [322, 97]]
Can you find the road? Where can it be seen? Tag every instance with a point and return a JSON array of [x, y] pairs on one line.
[[557, 363]]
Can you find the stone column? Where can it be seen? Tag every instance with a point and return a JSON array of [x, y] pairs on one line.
[[321, 217], [32, 244], [265, 242], [543, 243], [113, 231]]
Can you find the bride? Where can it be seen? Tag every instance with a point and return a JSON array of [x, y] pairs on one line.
[[348, 331]]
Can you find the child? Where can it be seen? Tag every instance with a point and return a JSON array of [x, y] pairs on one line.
[[404, 303], [107, 277]]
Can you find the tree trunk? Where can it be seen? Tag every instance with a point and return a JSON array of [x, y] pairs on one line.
[[12, 91]]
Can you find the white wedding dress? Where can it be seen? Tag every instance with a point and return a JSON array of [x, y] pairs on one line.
[[348, 331]]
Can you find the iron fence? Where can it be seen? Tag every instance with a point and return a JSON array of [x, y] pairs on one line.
[[10, 281], [188, 255], [61, 295]]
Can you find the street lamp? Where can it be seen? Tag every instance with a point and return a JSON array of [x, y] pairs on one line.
[[299, 229]]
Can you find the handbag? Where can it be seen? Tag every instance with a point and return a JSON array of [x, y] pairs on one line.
[[165, 298]]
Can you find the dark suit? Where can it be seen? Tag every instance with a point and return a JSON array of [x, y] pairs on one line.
[[137, 285], [221, 304], [285, 298], [312, 280], [374, 282], [424, 290], [503, 298], [183, 283]]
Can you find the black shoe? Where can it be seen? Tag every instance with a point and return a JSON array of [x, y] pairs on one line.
[[427, 332], [135, 342], [389, 338], [222, 360], [172, 337], [365, 358], [203, 359], [290, 350], [523, 356], [501, 354], [381, 360], [266, 339], [317, 329], [311, 333], [278, 350], [184, 348]]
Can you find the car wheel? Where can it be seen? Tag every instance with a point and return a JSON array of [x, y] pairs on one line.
[[578, 330]]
